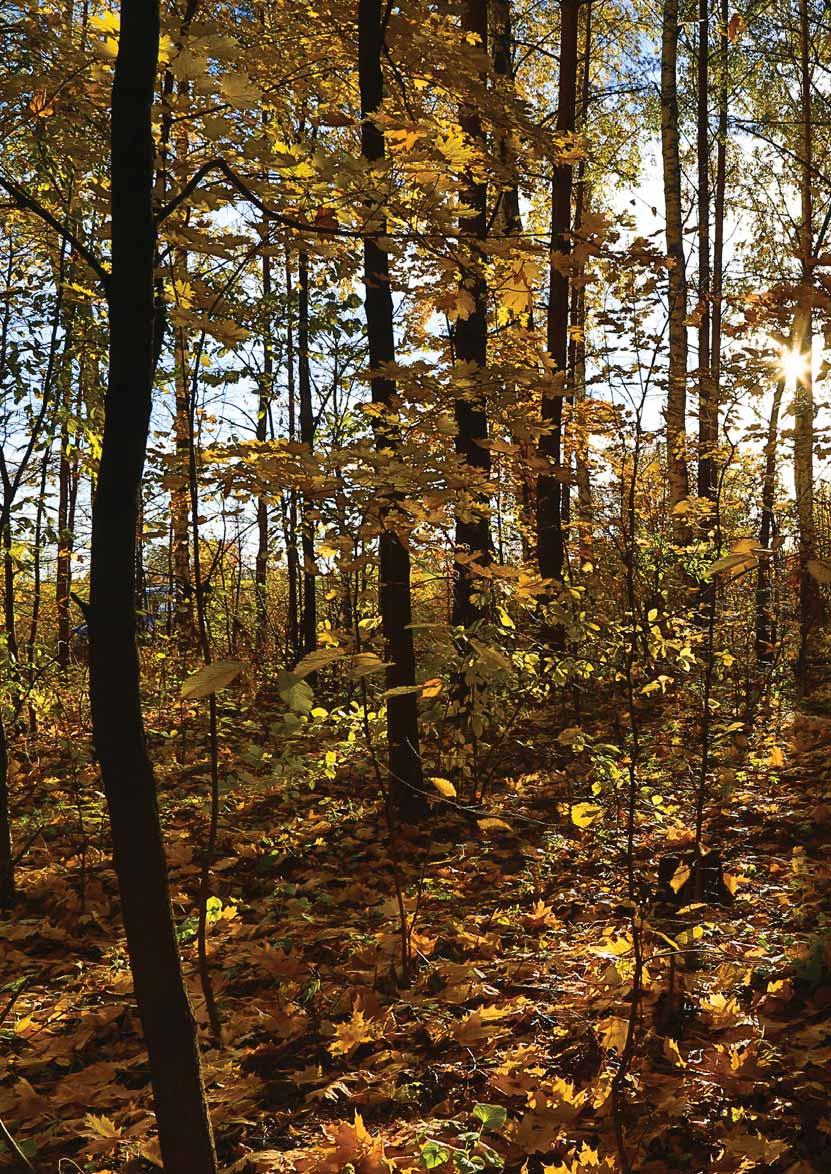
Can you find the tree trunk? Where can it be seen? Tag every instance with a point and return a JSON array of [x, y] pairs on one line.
[[264, 400], [550, 542], [7, 887], [577, 333], [406, 786], [810, 602], [707, 407], [184, 622], [307, 436], [676, 409], [118, 729], [292, 558], [719, 208], [765, 620], [470, 339]]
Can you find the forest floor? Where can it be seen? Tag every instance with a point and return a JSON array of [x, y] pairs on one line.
[[509, 1046]]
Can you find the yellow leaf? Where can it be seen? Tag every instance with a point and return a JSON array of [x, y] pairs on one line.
[[102, 1126], [493, 825], [777, 758], [211, 678], [615, 1033], [680, 877], [583, 815], [351, 1034], [444, 787], [239, 90], [431, 688], [736, 563], [517, 293], [673, 1054]]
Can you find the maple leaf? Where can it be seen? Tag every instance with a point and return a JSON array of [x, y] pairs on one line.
[[352, 1145], [102, 1127], [351, 1034]]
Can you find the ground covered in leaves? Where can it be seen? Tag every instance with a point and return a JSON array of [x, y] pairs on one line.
[[518, 1043]]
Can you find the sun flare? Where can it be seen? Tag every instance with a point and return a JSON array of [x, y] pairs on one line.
[[792, 364]]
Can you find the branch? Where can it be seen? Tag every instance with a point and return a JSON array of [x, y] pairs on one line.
[[23, 200], [236, 182]]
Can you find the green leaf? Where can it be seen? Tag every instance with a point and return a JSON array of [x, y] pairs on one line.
[[434, 1154], [295, 692], [211, 678], [493, 1117]]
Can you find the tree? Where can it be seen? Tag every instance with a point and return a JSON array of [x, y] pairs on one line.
[[118, 729], [470, 346], [810, 603], [406, 784], [550, 538], [676, 405]]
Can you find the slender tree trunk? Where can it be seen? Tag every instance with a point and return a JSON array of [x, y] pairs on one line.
[[307, 436], [265, 393], [501, 36], [707, 408], [550, 540], [472, 539], [810, 603], [765, 619], [118, 728], [37, 545], [719, 209], [292, 558], [577, 333], [7, 886], [184, 622], [676, 408], [509, 220], [63, 565], [406, 787]]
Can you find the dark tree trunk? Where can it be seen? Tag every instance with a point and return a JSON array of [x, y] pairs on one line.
[[676, 409], [765, 619], [550, 544], [265, 391], [292, 558], [7, 888], [307, 437], [470, 340], [707, 405], [577, 337], [406, 787], [118, 729], [719, 209], [810, 600]]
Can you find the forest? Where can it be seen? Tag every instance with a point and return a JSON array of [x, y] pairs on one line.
[[415, 558]]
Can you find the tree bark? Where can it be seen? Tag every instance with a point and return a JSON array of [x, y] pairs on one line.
[[406, 786], [292, 557], [470, 339], [307, 436], [577, 333], [765, 621], [810, 602], [707, 408], [118, 728], [719, 209], [263, 402], [676, 408], [550, 540]]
